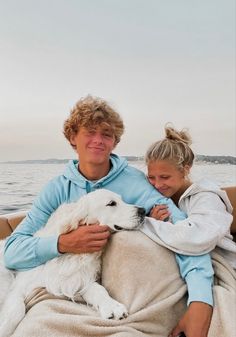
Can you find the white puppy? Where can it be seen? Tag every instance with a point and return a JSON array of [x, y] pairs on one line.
[[71, 274]]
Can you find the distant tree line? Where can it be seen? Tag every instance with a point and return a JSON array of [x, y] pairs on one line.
[[198, 158], [216, 159]]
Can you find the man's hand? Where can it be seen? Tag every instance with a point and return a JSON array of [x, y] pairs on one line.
[[85, 239], [160, 212], [195, 322]]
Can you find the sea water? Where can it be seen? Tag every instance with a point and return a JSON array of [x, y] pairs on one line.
[[20, 183]]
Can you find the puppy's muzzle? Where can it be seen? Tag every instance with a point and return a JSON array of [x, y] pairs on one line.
[[141, 212]]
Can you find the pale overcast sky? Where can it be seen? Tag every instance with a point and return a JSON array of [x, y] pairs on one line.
[[155, 61]]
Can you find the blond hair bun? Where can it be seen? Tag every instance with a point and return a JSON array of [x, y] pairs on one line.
[[174, 147], [175, 135]]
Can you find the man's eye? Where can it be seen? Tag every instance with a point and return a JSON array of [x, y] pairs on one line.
[[112, 203], [108, 135]]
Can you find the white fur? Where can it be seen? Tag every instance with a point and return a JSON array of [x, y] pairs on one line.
[[70, 274]]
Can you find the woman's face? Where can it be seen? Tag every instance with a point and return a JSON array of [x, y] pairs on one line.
[[166, 177]]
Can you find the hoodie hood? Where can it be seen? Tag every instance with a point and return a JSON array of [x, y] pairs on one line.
[[205, 185], [118, 164]]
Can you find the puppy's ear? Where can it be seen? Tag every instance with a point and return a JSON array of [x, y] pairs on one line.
[[80, 212]]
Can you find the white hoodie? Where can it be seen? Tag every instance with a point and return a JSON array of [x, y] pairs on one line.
[[206, 227]]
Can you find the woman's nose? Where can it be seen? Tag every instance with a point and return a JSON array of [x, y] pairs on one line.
[[157, 184]]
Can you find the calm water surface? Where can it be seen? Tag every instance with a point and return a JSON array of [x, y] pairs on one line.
[[20, 183]]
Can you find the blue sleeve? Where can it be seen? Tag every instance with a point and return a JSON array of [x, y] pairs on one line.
[[198, 274], [134, 188], [22, 249], [197, 271], [156, 198]]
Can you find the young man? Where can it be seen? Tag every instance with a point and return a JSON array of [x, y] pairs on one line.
[[94, 129]]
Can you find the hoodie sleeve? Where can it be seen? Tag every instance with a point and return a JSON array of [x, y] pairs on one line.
[[156, 198], [22, 249], [207, 223], [197, 271]]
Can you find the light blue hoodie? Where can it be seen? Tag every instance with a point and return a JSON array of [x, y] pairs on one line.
[[24, 251]]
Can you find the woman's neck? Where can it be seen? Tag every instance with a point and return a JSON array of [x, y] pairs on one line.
[[175, 197]]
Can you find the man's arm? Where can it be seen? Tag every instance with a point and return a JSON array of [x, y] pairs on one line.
[[85, 239], [198, 274], [197, 271], [152, 197], [22, 249], [195, 322]]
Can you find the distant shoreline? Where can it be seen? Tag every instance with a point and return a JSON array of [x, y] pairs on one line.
[[199, 158]]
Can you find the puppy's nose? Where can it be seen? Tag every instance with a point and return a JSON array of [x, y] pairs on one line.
[[141, 211]]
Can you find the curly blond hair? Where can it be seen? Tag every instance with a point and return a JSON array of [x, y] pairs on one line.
[[92, 111], [175, 147]]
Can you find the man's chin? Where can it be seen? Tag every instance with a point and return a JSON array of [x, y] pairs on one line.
[[97, 160]]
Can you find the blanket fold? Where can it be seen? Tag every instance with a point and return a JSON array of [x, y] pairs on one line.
[[144, 276]]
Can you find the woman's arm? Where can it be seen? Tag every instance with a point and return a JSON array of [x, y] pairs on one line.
[[207, 222]]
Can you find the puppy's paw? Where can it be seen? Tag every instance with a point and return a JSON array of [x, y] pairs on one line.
[[113, 310]]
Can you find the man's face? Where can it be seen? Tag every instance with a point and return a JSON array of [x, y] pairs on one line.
[[94, 144]]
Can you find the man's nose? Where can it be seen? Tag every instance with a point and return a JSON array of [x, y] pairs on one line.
[[98, 138]]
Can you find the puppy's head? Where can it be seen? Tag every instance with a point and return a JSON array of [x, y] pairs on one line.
[[109, 209]]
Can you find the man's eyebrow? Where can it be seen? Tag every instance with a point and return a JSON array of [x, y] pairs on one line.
[[107, 128]]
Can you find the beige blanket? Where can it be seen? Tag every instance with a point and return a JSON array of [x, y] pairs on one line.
[[144, 276]]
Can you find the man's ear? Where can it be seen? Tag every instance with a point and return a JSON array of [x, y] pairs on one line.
[[72, 140], [115, 144]]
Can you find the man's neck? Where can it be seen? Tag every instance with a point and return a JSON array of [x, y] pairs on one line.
[[94, 172]]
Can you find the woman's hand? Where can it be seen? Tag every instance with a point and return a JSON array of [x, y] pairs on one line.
[[160, 212], [195, 322]]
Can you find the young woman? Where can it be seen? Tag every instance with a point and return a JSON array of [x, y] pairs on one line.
[[207, 226], [169, 162]]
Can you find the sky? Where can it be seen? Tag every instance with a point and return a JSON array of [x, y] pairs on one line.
[[154, 61]]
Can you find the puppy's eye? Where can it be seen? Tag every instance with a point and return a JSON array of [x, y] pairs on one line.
[[111, 203]]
